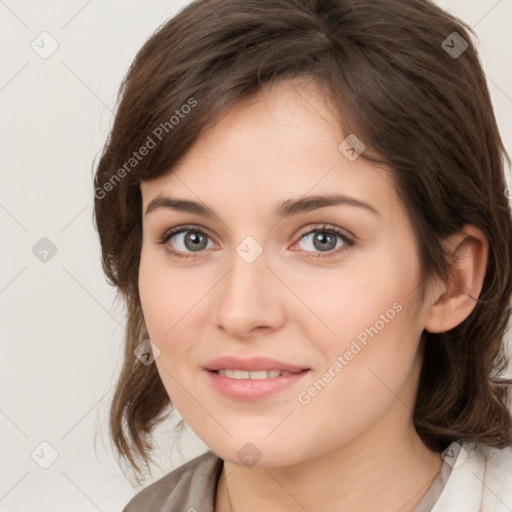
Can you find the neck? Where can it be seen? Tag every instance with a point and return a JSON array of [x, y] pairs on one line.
[[371, 474]]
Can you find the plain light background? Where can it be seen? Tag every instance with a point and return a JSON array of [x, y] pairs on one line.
[[61, 330]]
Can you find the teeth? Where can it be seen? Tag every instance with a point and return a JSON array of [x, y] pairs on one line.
[[241, 374]]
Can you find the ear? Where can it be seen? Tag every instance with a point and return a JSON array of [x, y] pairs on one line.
[[455, 300]]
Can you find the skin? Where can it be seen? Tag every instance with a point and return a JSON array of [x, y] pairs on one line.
[[353, 446]]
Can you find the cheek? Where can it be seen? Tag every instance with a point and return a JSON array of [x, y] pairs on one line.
[[371, 292], [154, 300], [160, 301], [372, 312], [166, 294], [166, 302]]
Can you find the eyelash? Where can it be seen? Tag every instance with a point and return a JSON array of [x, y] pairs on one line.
[[325, 228]]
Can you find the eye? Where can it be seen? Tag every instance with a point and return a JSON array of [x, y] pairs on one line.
[[191, 239], [325, 239], [186, 238]]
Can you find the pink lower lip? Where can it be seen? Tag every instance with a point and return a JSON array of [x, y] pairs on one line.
[[252, 389]]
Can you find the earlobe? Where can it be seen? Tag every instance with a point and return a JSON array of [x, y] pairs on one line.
[[454, 300]]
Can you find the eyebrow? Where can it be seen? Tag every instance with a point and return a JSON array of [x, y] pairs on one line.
[[283, 209]]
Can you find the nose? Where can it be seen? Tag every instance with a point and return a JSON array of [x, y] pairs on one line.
[[249, 299]]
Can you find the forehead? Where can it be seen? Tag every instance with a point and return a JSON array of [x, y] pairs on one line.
[[280, 143]]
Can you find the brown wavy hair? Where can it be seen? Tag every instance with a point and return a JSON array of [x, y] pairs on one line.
[[424, 113]]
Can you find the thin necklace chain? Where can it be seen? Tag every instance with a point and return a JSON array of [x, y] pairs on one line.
[[229, 497]]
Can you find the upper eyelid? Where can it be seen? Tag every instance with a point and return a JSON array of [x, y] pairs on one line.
[[328, 227], [184, 228]]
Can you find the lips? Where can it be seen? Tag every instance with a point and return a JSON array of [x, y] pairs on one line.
[[254, 375], [253, 364], [254, 378]]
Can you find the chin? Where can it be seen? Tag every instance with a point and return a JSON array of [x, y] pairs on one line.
[[258, 453]]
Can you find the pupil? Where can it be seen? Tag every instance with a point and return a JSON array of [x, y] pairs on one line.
[[195, 238], [322, 238]]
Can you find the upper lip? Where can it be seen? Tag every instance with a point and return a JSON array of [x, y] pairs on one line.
[[252, 364]]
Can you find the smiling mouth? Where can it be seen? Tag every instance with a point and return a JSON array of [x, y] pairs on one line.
[[253, 385], [254, 375]]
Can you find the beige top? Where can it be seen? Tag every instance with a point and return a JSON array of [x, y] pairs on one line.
[[192, 486]]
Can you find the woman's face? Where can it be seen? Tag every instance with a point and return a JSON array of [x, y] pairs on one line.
[[261, 278]]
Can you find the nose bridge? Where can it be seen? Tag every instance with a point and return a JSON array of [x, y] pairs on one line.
[[247, 278], [247, 297]]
